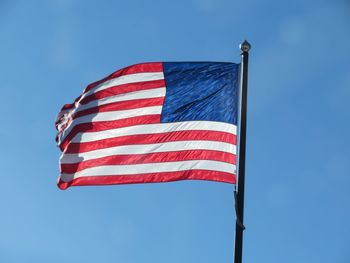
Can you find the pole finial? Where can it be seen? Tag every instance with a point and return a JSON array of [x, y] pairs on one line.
[[245, 46]]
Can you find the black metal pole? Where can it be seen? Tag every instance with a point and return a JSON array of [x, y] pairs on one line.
[[245, 46]]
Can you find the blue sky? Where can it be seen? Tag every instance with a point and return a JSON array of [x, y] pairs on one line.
[[297, 189]]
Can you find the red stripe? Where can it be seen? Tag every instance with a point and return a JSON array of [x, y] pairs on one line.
[[151, 178], [138, 68], [107, 125], [125, 88], [121, 105], [190, 135], [150, 158]]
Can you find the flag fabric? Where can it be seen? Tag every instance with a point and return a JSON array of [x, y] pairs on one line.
[[152, 122]]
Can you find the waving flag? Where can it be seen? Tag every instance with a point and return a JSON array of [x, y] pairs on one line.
[[152, 122]]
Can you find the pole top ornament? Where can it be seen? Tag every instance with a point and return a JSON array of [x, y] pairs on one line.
[[245, 46]]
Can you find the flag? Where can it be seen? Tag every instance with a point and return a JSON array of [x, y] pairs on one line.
[[152, 122]]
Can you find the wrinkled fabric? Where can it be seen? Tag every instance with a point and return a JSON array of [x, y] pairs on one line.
[[198, 91]]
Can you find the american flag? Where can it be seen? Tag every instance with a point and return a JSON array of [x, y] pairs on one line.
[[152, 122]]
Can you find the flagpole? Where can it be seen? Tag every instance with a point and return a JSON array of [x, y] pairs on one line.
[[245, 47]]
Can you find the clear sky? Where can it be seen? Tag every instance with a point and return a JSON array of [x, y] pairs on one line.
[[298, 155]]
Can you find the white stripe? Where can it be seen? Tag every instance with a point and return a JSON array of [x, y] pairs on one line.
[[126, 79], [110, 116], [117, 115], [135, 95], [156, 128], [148, 148], [152, 168]]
